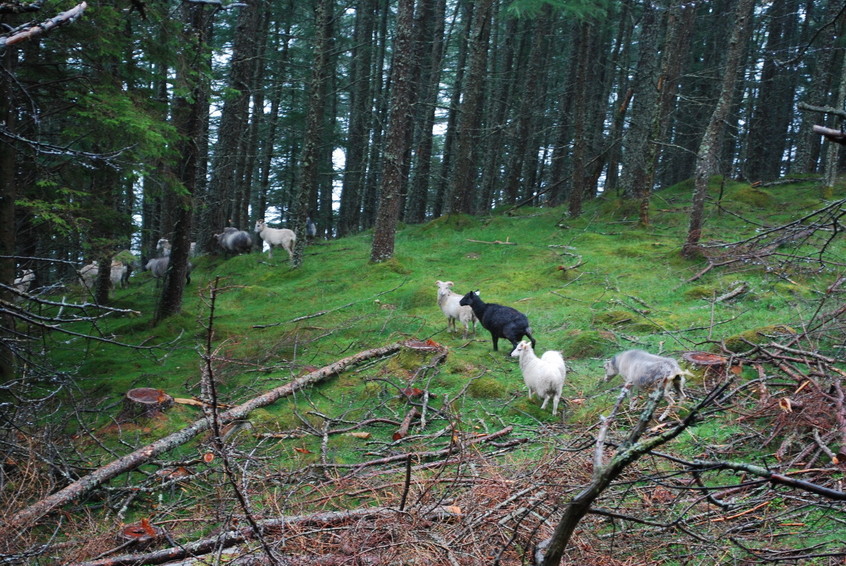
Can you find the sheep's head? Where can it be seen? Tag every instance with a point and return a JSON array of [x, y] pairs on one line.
[[610, 369], [468, 298], [443, 287], [260, 225], [520, 348]]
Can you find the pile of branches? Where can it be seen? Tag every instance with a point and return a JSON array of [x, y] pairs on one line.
[[798, 245]]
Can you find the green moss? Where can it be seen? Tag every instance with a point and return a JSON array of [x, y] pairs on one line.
[[740, 342], [586, 344], [612, 318], [753, 197], [486, 388]]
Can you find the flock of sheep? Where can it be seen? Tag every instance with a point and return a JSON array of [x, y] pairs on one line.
[[544, 376], [231, 240]]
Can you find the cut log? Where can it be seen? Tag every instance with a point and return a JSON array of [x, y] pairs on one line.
[[144, 402]]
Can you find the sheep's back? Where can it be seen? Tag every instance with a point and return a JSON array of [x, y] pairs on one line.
[[497, 317]]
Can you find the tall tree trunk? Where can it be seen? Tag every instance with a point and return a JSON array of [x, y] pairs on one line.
[[225, 188], [396, 142], [318, 87], [430, 31], [190, 108], [579, 173], [470, 116], [381, 93], [709, 149], [450, 142], [8, 195], [768, 131], [360, 113], [823, 59], [525, 150], [637, 158]]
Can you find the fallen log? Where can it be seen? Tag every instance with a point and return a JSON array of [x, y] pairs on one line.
[[30, 515]]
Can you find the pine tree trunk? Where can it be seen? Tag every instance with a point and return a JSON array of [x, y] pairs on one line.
[[8, 194], [397, 139], [709, 150], [189, 121], [464, 175], [318, 88]]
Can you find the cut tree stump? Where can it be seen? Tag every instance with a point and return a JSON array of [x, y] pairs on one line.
[[144, 402], [140, 535]]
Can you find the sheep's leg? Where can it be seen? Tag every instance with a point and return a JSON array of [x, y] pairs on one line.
[[545, 401], [495, 339], [670, 403], [555, 400]]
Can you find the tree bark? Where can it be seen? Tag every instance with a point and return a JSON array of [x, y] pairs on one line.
[[396, 143], [30, 515], [8, 195], [315, 122], [189, 118], [709, 150], [470, 114]]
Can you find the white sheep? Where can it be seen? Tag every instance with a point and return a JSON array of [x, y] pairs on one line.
[[544, 376], [448, 301], [276, 237], [163, 247], [119, 274], [88, 275], [642, 371]]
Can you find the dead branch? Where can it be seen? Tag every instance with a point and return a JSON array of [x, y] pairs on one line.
[[772, 477], [237, 536], [30, 515], [739, 290], [629, 451], [836, 136], [39, 29], [498, 242]]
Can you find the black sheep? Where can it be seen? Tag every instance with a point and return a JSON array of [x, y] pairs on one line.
[[500, 321]]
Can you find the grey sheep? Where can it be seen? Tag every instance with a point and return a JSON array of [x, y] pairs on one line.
[[642, 371], [235, 240]]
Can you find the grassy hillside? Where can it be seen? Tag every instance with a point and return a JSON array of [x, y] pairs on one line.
[[591, 287]]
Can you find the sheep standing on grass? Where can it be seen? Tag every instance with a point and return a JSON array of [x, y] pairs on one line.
[[544, 376], [235, 240], [641, 371], [276, 237], [449, 300], [158, 267], [500, 321]]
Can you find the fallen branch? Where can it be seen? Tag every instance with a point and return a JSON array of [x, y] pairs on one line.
[[772, 477], [500, 242], [39, 29], [28, 516], [238, 536]]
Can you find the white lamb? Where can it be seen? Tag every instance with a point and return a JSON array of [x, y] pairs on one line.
[[544, 376], [448, 301], [642, 371], [276, 237]]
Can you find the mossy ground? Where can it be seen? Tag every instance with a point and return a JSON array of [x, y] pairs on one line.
[[631, 288]]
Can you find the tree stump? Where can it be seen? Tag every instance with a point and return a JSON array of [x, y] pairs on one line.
[[144, 402], [140, 535]]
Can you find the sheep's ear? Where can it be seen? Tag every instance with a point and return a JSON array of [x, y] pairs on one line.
[[476, 292], [449, 283]]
